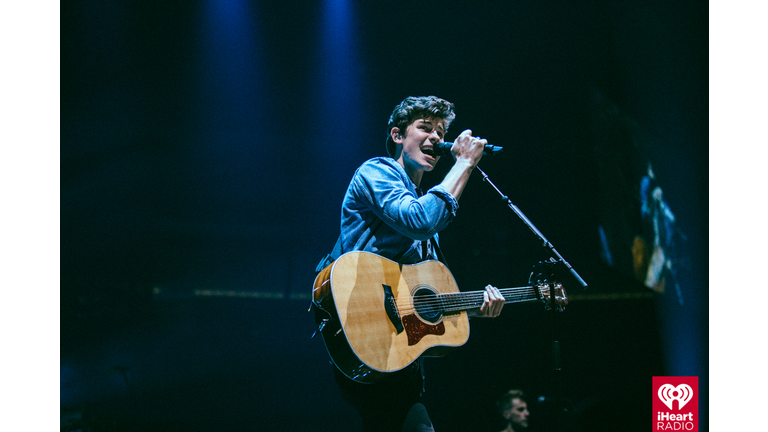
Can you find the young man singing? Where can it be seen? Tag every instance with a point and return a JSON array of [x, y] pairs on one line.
[[385, 212]]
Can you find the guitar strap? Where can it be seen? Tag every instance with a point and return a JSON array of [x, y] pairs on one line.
[[321, 316], [424, 248], [438, 252], [331, 257], [336, 253]]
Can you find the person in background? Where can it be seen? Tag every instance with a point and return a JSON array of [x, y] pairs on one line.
[[513, 407]]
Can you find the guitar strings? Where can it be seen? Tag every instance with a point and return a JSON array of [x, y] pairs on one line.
[[463, 300]]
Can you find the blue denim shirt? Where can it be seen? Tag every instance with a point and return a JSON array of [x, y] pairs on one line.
[[383, 213]]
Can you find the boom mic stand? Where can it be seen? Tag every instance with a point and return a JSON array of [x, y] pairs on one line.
[[535, 230], [544, 272]]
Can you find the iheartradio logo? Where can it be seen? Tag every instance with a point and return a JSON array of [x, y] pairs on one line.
[[669, 393], [671, 416]]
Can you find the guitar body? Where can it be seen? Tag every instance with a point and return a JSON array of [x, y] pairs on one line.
[[380, 316]]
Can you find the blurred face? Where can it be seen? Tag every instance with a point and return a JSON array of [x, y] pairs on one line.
[[418, 146], [517, 414]]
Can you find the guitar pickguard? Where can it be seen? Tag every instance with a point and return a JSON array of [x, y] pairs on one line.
[[416, 329]]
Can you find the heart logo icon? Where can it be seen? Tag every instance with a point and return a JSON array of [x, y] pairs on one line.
[[682, 393]]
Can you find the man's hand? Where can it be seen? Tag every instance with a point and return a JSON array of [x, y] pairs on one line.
[[493, 303], [468, 149]]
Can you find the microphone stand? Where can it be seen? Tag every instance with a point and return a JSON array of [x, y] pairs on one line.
[[546, 274], [535, 230]]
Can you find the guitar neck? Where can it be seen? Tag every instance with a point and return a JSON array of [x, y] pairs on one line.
[[457, 302]]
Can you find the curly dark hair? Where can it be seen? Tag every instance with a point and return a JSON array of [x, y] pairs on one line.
[[414, 108]]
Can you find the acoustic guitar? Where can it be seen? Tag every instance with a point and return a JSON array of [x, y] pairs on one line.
[[378, 316]]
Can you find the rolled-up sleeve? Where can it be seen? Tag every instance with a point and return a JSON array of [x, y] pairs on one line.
[[381, 188], [446, 196]]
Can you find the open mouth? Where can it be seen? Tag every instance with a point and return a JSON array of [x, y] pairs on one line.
[[429, 151]]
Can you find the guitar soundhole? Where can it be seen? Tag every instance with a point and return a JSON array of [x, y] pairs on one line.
[[427, 305]]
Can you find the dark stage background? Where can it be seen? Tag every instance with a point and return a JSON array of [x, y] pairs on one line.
[[206, 146]]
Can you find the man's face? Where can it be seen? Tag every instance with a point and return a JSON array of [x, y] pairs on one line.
[[517, 414], [419, 141]]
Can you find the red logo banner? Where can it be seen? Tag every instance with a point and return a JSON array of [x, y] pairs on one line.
[[675, 403]]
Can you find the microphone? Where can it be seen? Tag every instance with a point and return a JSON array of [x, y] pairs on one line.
[[445, 149]]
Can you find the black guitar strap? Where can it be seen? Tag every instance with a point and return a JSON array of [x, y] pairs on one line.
[[424, 248], [321, 316], [336, 253], [438, 252], [331, 257]]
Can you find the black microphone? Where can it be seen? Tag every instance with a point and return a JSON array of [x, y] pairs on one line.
[[445, 149]]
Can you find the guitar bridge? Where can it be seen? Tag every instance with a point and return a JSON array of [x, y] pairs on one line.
[[391, 307]]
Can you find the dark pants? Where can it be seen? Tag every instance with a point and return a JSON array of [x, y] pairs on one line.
[[390, 405]]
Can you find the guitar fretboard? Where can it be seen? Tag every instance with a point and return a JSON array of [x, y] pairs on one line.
[[456, 302]]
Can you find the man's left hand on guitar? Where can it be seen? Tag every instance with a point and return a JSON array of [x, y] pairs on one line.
[[493, 303]]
